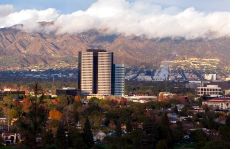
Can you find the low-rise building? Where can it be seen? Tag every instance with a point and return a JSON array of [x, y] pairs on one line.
[[11, 138], [141, 99], [209, 90], [227, 92], [218, 103], [67, 91], [210, 77], [15, 93], [165, 96]]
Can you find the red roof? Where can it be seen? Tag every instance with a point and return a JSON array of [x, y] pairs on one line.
[[219, 100]]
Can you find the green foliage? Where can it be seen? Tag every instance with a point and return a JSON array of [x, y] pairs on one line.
[[153, 105], [32, 124], [208, 120], [94, 101], [48, 138], [200, 138], [129, 127], [87, 134], [61, 139], [162, 144], [216, 145], [165, 120], [224, 131], [153, 88], [76, 140], [118, 128], [147, 125]]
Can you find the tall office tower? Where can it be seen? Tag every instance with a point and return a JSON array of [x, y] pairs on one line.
[[98, 74], [118, 79], [95, 73], [86, 64], [105, 63]]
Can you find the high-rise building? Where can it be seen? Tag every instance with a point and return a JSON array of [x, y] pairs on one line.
[[98, 74], [118, 79], [86, 73], [105, 63]]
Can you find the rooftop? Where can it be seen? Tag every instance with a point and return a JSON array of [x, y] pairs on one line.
[[96, 50], [219, 100]]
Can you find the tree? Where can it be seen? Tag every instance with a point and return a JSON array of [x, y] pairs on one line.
[[129, 126], [118, 128], [199, 137], [48, 141], [61, 137], [176, 110], [162, 145], [32, 124], [178, 132], [87, 133], [228, 120], [165, 120], [94, 101], [151, 132], [26, 105], [76, 140], [9, 109], [216, 145], [224, 131], [55, 115]]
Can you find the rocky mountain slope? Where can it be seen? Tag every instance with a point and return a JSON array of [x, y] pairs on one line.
[[20, 49]]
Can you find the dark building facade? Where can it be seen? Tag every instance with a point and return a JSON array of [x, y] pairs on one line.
[[16, 94], [67, 91]]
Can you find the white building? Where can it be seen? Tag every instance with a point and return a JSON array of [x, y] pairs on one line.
[[210, 77], [217, 103], [209, 90]]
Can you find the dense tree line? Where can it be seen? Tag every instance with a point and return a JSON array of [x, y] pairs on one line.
[[66, 122]]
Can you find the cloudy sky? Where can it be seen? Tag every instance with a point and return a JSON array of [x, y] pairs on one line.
[[150, 18], [68, 6]]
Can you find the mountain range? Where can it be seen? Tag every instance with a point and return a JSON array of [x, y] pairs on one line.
[[21, 49]]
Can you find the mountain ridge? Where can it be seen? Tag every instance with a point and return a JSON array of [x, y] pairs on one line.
[[22, 49]]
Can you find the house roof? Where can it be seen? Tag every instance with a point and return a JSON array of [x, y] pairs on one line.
[[219, 100]]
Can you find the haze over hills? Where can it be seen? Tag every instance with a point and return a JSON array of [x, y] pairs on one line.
[[20, 49]]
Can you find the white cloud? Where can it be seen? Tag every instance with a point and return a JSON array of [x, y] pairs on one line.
[[140, 18], [5, 10]]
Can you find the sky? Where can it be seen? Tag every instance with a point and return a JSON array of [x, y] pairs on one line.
[[65, 6], [68, 6], [150, 18]]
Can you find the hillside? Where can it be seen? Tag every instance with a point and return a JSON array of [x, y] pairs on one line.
[[19, 49]]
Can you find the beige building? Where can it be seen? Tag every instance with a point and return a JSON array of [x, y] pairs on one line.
[[97, 73], [209, 90], [105, 62], [87, 72]]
